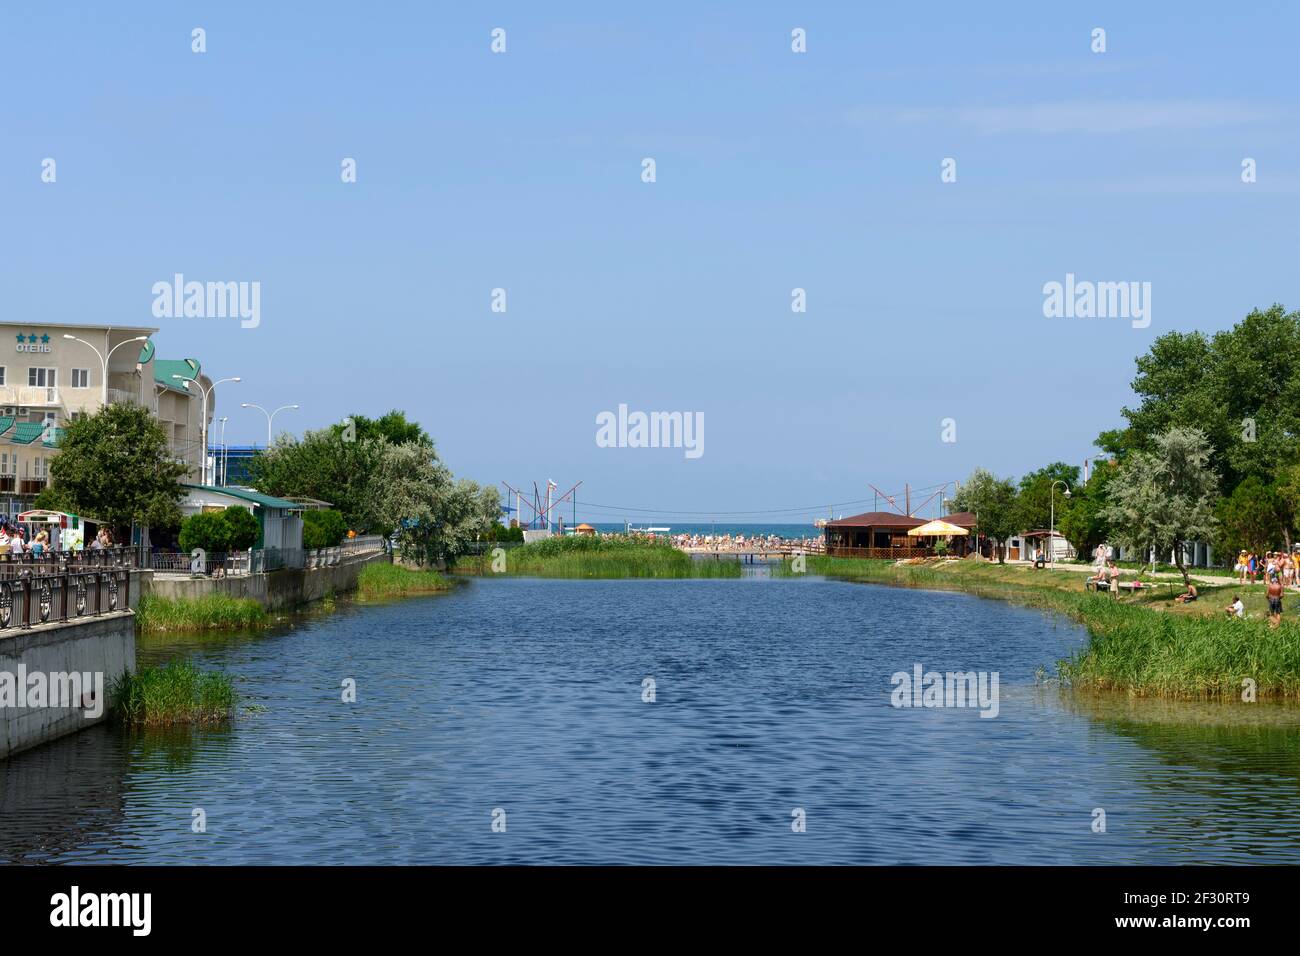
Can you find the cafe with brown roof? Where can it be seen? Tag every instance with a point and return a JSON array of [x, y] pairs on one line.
[[884, 534]]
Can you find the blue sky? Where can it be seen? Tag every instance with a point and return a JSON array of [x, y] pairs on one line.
[[775, 170]]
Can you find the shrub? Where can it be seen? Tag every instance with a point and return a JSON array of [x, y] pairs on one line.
[[323, 529], [208, 530], [244, 528]]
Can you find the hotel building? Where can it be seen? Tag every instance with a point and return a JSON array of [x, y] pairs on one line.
[[52, 374]]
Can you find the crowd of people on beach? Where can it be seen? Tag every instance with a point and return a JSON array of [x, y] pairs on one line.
[[758, 542], [1279, 570], [1279, 563]]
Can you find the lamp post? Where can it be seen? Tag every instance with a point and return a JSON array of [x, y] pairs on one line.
[[203, 419], [224, 419], [270, 416], [103, 359], [1051, 530]]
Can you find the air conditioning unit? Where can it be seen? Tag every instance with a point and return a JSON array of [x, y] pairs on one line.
[[10, 410], [23, 411]]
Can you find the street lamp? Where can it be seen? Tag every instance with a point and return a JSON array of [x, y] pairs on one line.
[[1051, 530], [224, 419], [103, 359], [203, 420], [270, 416]]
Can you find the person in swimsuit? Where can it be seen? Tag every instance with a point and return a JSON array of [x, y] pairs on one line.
[[1274, 600]]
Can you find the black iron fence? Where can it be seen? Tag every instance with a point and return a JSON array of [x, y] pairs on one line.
[[258, 561], [64, 585]]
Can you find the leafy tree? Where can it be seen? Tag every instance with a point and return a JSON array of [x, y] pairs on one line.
[[321, 465], [1082, 523], [437, 516], [115, 466], [392, 427], [244, 527], [1241, 388], [1253, 517], [208, 530], [324, 528], [1035, 496], [993, 502], [1164, 498], [499, 532], [1287, 489]]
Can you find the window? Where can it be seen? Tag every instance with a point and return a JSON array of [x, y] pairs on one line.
[[80, 378], [2, 374], [43, 377]]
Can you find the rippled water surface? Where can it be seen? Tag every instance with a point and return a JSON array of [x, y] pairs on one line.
[[771, 695]]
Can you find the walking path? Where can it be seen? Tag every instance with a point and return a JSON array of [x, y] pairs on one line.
[[1091, 569]]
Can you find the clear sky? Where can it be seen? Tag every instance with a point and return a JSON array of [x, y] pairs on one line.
[[774, 170]]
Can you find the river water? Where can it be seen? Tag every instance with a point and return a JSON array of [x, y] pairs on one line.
[[521, 702]]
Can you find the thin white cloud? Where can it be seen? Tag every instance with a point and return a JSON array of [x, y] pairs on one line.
[[1090, 117]]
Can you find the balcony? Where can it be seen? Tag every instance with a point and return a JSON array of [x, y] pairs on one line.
[[32, 486], [30, 396], [8, 483]]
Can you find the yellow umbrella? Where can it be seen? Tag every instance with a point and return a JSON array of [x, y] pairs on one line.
[[939, 529]]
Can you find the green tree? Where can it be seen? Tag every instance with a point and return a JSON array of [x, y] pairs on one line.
[[115, 466], [993, 502], [1035, 496], [323, 528], [244, 527], [1165, 498], [392, 427], [1253, 517], [1082, 523], [437, 516], [324, 465], [1240, 388], [208, 530]]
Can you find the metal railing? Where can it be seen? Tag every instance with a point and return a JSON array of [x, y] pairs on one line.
[[210, 564], [366, 542], [215, 564], [30, 563], [64, 585]]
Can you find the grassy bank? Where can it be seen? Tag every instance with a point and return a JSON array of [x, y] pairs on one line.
[[159, 615], [582, 556], [392, 580], [176, 693], [1143, 643]]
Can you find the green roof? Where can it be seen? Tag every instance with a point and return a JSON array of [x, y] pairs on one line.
[[248, 494], [6, 423], [164, 369], [27, 432]]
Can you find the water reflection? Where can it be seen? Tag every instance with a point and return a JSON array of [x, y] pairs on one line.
[[771, 695]]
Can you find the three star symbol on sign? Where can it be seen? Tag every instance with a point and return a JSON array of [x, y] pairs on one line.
[[44, 339]]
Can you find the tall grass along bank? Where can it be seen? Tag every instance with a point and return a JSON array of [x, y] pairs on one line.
[[393, 580], [161, 615], [589, 556], [1142, 643], [173, 694]]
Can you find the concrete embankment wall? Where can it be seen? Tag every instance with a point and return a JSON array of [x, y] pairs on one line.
[[95, 645], [276, 591]]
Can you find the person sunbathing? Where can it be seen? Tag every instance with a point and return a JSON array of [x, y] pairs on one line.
[[1188, 596]]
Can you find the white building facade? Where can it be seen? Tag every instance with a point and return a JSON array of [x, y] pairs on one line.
[[51, 374]]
